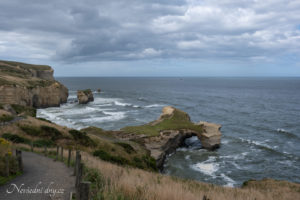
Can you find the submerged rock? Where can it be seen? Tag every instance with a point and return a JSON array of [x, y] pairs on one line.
[[85, 96]]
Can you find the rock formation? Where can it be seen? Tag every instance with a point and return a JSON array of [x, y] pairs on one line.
[[162, 136], [30, 85], [211, 136], [85, 96]]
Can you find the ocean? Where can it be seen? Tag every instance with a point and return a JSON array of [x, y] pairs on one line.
[[260, 120]]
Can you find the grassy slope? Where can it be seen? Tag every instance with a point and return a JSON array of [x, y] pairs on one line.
[[179, 120], [41, 133]]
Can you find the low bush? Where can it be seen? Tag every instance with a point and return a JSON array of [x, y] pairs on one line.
[[43, 143], [127, 147], [82, 138], [6, 118], [110, 158], [30, 130], [51, 132], [15, 138], [24, 109]]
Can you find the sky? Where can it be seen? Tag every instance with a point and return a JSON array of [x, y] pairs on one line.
[[154, 37]]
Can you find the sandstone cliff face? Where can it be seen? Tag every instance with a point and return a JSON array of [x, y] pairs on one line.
[[85, 96], [30, 85]]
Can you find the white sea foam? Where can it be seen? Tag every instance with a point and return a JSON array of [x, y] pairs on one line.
[[208, 167], [118, 103], [154, 105], [112, 116], [229, 181]]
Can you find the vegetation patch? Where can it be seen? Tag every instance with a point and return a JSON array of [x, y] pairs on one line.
[[24, 109], [30, 130], [52, 132], [15, 138], [178, 121], [6, 118], [127, 147], [43, 143], [82, 138], [110, 158], [43, 119]]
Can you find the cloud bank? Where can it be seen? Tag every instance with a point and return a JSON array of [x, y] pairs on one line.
[[97, 30]]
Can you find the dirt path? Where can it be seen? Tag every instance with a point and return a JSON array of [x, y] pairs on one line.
[[41, 175]]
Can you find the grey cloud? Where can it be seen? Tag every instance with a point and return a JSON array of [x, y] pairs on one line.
[[75, 31]]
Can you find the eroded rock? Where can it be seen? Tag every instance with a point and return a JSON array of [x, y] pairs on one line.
[[85, 96]]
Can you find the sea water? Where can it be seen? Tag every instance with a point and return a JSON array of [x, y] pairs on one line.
[[260, 120]]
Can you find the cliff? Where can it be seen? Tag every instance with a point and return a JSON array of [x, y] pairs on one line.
[[30, 85]]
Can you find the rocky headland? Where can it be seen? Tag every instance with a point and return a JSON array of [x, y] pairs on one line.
[[85, 96], [164, 135], [30, 85]]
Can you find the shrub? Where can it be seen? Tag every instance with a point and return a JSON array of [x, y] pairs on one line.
[[24, 109], [110, 158], [150, 162], [51, 132], [127, 147], [82, 138], [30, 130], [15, 138], [43, 143], [6, 118]]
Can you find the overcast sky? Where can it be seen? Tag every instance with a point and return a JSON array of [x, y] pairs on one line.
[[155, 37]]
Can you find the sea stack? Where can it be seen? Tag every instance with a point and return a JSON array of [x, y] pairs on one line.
[[211, 136], [85, 96]]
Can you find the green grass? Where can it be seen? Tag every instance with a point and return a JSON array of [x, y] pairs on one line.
[[4, 180], [30, 130], [82, 138], [43, 143], [24, 109], [178, 121], [52, 132], [15, 138], [111, 158], [127, 147], [6, 118]]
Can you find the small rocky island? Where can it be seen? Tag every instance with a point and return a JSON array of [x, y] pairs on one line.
[[85, 96]]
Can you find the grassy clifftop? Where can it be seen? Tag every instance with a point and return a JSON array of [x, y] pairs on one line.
[[174, 119], [28, 75]]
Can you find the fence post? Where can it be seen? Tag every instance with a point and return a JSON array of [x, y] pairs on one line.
[[62, 154], [19, 157], [57, 152], [79, 175], [31, 145], [69, 157], [45, 150], [76, 160], [7, 164], [83, 191]]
